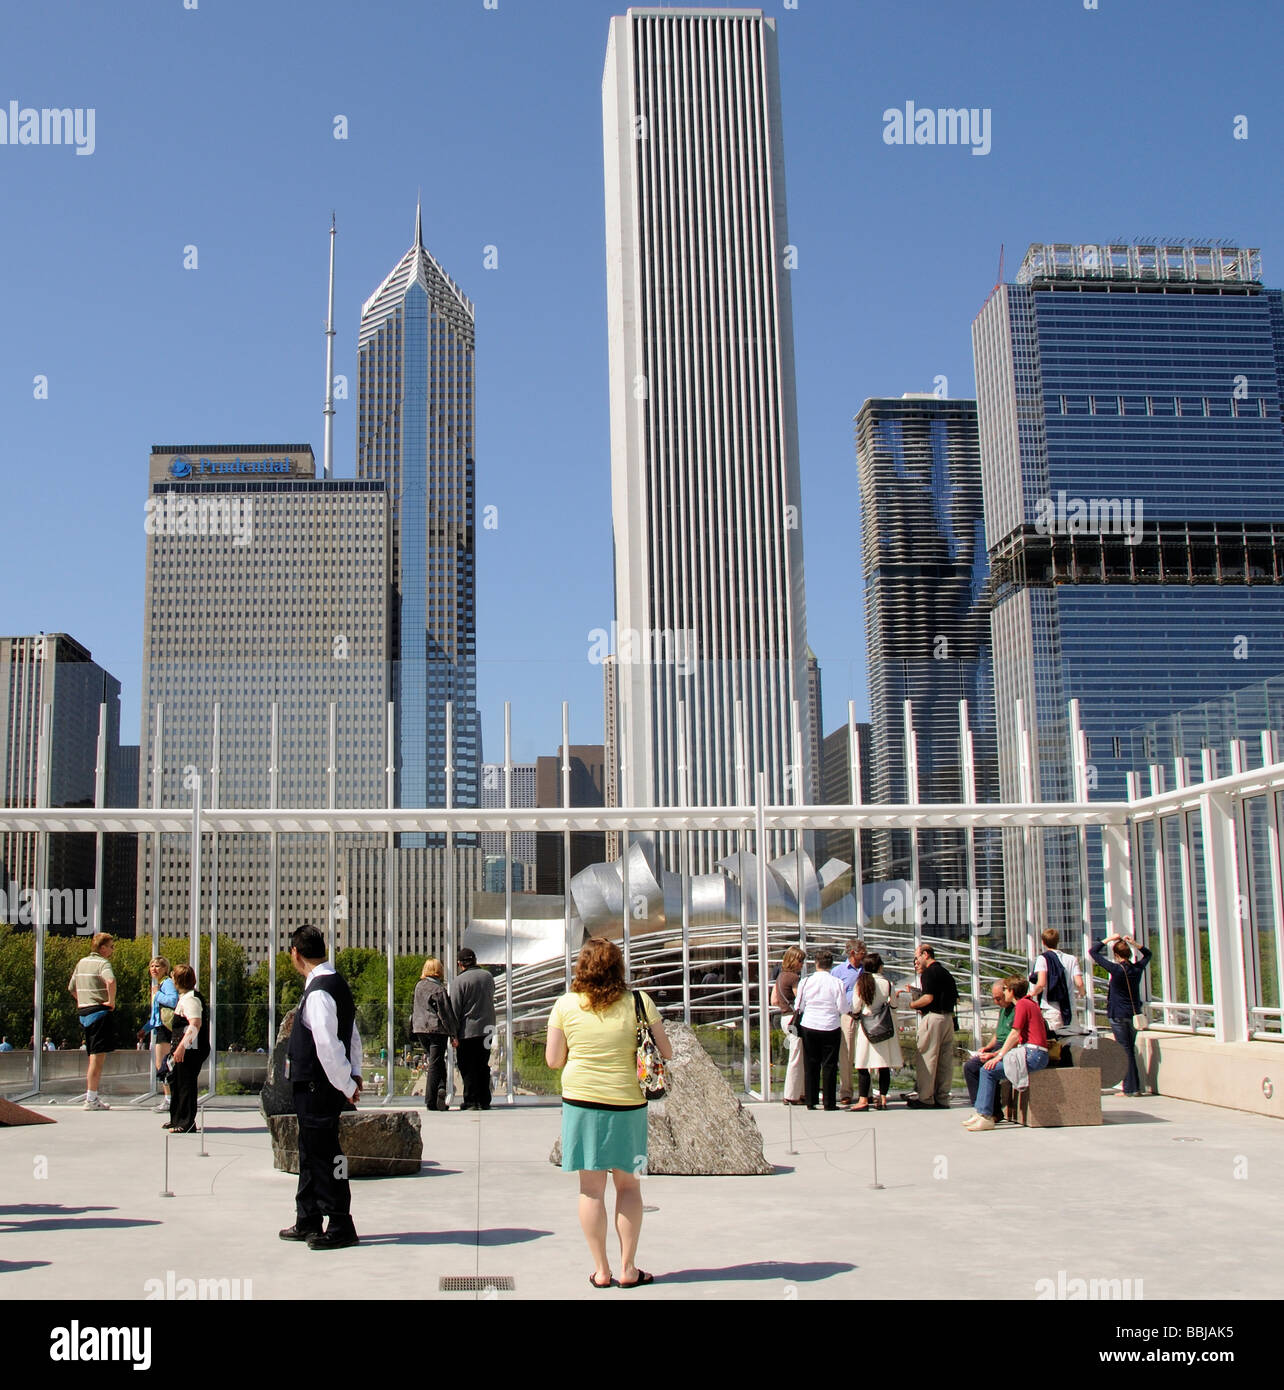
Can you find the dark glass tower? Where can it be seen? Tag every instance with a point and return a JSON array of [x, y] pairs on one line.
[[415, 422], [1133, 456], [927, 611]]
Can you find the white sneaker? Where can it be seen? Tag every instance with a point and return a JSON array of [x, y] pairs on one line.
[[162, 1108], [979, 1123], [97, 1104]]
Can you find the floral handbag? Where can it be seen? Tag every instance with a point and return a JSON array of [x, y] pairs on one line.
[[651, 1077]]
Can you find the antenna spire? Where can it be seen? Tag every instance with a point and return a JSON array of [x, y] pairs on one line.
[[419, 220], [328, 457]]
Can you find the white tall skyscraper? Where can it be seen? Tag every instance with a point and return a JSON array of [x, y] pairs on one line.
[[704, 443]]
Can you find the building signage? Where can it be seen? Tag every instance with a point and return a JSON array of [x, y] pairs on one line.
[[183, 467]]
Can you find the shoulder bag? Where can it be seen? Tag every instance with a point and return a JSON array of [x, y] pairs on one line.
[[880, 1026], [651, 1077], [1140, 1018]]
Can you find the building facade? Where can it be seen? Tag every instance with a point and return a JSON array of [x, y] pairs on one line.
[[521, 794], [927, 628], [51, 694], [266, 587], [710, 607], [415, 432], [1132, 448]]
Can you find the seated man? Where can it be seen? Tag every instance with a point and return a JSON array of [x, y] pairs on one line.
[[973, 1066], [1025, 1049]]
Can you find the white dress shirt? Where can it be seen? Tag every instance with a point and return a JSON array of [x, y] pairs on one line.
[[823, 1001], [320, 1016]]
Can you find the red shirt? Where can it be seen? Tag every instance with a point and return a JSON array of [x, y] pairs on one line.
[[1028, 1024]]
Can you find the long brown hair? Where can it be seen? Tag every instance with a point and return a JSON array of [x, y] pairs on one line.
[[599, 973]]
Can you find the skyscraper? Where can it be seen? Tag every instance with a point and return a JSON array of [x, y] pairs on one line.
[[704, 452], [927, 627], [51, 693], [264, 585], [415, 424], [1132, 449]]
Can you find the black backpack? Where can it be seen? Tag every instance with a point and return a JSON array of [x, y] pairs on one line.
[[1058, 987]]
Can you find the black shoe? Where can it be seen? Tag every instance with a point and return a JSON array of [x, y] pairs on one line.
[[333, 1240], [920, 1105], [297, 1232]]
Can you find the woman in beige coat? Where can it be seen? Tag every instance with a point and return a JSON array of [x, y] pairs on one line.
[[873, 1012]]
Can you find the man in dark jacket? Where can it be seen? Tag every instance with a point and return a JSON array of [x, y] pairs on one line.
[[472, 996], [323, 1064]]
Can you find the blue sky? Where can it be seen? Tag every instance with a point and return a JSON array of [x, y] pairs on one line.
[[214, 128]]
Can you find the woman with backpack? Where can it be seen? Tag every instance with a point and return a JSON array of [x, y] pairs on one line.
[[435, 1025], [189, 1052], [877, 1046]]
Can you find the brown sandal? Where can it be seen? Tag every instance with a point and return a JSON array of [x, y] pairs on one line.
[[861, 1104]]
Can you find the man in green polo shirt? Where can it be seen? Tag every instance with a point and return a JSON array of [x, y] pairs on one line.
[[93, 983], [972, 1067]]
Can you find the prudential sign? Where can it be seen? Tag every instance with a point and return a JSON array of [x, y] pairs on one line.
[[182, 467]]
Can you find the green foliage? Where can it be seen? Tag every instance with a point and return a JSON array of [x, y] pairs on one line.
[[133, 985]]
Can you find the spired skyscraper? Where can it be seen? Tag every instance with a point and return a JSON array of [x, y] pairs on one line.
[[1132, 448], [415, 423], [704, 443]]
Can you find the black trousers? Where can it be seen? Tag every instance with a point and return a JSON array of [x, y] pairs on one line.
[[474, 1066], [435, 1046], [323, 1172], [820, 1065], [184, 1082], [865, 1077]]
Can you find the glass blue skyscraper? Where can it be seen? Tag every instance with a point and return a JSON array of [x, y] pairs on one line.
[[415, 422], [1132, 450], [927, 627]]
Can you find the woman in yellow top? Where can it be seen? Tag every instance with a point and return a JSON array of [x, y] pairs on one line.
[[592, 1034]]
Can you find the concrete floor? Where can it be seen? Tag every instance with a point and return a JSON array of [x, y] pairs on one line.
[[1183, 1200]]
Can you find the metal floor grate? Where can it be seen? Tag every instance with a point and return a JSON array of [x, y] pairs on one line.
[[475, 1283]]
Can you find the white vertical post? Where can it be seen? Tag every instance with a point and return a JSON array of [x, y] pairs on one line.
[[212, 983], [194, 887], [911, 799], [1117, 872], [1194, 975], [100, 800], [274, 866], [1026, 768], [1222, 896], [967, 768], [798, 800], [742, 798], [1163, 908], [390, 910], [764, 1004], [1245, 930], [1079, 752], [684, 786], [157, 747], [1274, 841], [858, 799], [38, 924], [566, 841], [331, 878], [508, 901]]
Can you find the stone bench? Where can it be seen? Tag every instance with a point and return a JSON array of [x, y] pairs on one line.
[[1057, 1096]]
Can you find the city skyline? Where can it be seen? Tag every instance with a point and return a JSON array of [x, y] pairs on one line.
[[247, 317]]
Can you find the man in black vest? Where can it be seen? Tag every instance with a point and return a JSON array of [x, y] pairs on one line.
[[323, 1062]]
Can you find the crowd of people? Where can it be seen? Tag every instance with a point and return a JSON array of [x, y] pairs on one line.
[[842, 1030]]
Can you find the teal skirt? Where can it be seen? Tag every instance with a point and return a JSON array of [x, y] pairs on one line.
[[602, 1139]]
